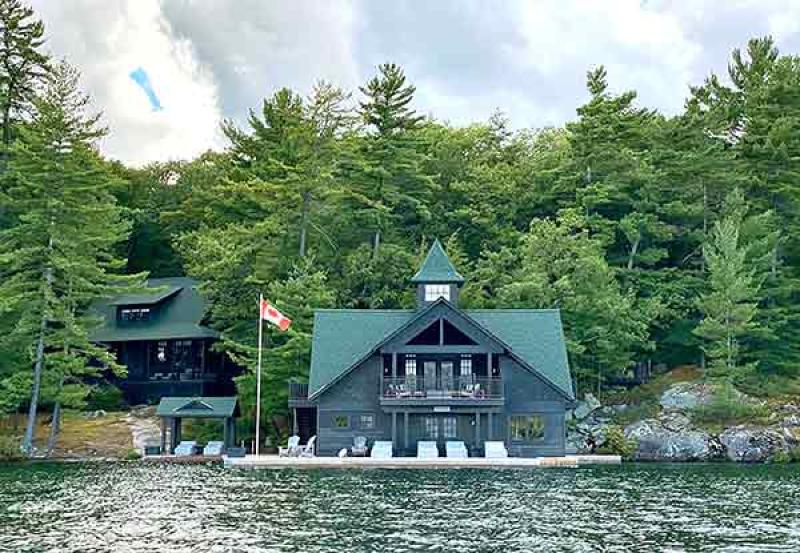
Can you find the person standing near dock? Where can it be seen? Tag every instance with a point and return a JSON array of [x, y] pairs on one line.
[[266, 313]]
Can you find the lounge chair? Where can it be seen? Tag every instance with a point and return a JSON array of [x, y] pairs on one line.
[[427, 450], [359, 448], [291, 449], [186, 449], [213, 448], [381, 450], [495, 450], [308, 449], [456, 450]]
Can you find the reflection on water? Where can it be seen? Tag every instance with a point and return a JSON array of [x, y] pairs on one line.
[[127, 507]]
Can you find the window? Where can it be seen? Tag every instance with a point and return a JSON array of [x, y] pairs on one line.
[[466, 365], [341, 421], [527, 428], [431, 427], [134, 314], [435, 291], [411, 365], [449, 427], [366, 421]]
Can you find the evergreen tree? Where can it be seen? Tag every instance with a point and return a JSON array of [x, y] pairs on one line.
[[736, 271], [23, 66], [59, 256]]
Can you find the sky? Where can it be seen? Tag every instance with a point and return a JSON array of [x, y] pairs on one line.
[[210, 60]]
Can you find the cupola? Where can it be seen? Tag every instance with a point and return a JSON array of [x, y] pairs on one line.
[[437, 278]]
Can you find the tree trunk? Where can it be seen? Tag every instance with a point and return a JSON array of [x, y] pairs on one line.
[[27, 443], [55, 429], [632, 253], [376, 243], [304, 222]]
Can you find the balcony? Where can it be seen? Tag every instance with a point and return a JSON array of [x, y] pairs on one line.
[[298, 394], [457, 390]]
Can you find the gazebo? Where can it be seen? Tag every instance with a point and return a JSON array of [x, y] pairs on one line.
[[172, 411]]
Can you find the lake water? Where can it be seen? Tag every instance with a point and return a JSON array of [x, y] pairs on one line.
[[131, 507]]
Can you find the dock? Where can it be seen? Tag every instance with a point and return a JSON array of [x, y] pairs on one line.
[[275, 462]]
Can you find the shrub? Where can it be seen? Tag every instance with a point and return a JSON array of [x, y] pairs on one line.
[[9, 448], [728, 408], [133, 455], [617, 444], [106, 397], [794, 454], [781, 457]]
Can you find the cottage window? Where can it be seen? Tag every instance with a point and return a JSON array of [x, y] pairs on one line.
[[134, 314], [449, 428], [341, 422], [431, 427], [411, 365], [466, 365], [367, 421], [527, 428], [435, 291]]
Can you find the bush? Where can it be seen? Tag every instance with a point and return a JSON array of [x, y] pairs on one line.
[[133, 455], [9, 448], [106, 397], [781, 457], [617, 444], [729, 409]]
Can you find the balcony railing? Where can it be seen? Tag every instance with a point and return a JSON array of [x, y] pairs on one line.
[[298, 390], [456, 387]]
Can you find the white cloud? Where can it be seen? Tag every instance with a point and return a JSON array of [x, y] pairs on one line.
[[106, 40], [209, 59]]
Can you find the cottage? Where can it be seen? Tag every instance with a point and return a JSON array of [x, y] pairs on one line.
[[436, 373], [162, 340]]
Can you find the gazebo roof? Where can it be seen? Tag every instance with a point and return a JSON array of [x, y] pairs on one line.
[[198, 407]]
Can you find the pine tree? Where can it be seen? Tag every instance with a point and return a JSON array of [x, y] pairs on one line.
[[23, 66], [60, 255], [736, 271]]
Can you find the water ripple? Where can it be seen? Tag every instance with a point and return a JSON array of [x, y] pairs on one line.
[[131, 508]]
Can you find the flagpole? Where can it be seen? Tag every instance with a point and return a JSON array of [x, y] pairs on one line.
[[258, 373]]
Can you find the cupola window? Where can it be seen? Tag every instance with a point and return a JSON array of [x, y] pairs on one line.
[[435, 291]]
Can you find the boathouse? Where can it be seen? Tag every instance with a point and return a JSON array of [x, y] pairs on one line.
[[436, 373], [162, 339]]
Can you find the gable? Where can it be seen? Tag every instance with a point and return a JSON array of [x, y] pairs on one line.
[[198, 407], [344, 338]]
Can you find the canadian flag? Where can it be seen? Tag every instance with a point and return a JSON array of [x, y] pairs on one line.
[[272, 315]]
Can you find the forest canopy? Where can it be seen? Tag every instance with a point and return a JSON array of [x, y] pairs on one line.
[[664, 240]]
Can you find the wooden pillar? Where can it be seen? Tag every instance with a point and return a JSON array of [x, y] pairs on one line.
[[488, 367], [405, 430], [441, 332], [489, 431], [226, 427], [176, 433], [163, 435], [477, 428], [295, 426], [394, 364], [394, 429]]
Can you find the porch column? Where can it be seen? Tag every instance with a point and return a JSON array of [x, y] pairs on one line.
[[394, 429], [489, 429], [163, 435], [394, 364], [477, 428], [488, 368], [295, 428], [226, 427], [405, 430]]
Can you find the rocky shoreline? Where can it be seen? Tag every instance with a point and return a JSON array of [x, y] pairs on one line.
[[671, 435]]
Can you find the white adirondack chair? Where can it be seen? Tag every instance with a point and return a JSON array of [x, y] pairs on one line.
[[495, 450], [381, 450], [291, 449], [427, 450], [308, 449]]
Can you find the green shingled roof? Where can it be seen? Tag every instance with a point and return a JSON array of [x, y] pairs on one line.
[[198, 407], [178, 314], [437, 267], [344, 337]]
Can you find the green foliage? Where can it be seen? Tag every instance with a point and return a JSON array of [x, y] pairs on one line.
[[617, 444], [133, 455], [9, 448], [727, 408], [106, 397]]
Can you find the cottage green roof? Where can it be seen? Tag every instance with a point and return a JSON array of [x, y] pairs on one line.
[[437, 268], [198, 407], [177, 314], [344, 337]]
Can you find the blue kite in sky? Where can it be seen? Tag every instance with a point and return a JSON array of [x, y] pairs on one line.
[[140, 77]]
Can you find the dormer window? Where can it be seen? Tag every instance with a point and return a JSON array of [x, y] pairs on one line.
[[134, 314], [435, 291]]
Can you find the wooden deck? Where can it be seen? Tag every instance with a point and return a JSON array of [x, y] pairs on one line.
[[275, 462]]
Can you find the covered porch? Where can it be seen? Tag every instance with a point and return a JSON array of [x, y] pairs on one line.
[[172, 411], [443, 423]]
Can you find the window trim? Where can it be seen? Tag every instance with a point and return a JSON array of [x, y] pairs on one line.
[[362, 426], [335, 426], [465, 365], [433, 292], [525, 440]]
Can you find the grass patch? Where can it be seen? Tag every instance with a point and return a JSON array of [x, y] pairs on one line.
[[726, 409], [636, 412]]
